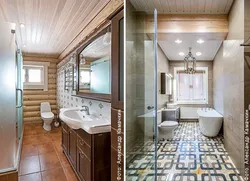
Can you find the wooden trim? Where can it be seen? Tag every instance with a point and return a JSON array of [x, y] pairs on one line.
[[111, 16], [115, 54], [9, 176], [40, 59], [188, 23], [89, 95]]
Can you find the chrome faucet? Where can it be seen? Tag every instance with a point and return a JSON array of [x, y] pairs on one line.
[[85, 109]]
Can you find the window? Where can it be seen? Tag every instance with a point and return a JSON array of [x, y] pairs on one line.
[[191, 88], [85, 76], [34, 75]]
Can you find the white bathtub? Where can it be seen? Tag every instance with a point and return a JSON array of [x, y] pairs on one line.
[[210, 122]]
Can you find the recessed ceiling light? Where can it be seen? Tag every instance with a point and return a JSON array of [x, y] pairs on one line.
[[200, 41], [22, 25], [198, 53], [24, 45], [181, 54], [178, 41]]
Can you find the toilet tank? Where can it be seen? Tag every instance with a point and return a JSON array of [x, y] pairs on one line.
[[159, 117]]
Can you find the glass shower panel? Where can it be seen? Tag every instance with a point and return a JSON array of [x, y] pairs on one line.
[[141, 95], [19, 98], [7, 97]]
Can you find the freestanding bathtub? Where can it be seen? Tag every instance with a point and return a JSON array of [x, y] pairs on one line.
[[210, 122]]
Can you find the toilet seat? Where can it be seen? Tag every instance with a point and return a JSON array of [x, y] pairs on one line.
[[168, 124], [47, 115]]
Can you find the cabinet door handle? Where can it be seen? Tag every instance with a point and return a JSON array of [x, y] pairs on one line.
[[81, 154], [81, 142]]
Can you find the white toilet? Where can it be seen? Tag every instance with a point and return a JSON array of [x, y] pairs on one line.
[[47, 115], [165, 128]]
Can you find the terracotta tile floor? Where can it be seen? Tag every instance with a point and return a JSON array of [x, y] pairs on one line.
[[42, 158]]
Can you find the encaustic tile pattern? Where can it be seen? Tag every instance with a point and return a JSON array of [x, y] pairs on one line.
[[189, 156]]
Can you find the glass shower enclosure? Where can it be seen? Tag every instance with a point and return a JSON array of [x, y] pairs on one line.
[[11, 93], [141, 94]]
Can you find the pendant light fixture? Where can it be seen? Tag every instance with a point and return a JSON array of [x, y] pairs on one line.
[[189, 63]]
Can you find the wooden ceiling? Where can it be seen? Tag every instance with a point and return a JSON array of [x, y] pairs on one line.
[[50, 25], [184, 6]]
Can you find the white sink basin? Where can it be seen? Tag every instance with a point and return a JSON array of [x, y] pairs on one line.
[[92, 124], [172, 106]]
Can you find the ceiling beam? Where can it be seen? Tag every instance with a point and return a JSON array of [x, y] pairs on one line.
[[187, 24]]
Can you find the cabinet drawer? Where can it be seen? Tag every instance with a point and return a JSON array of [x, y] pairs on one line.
[[84, 136], [84, 147], [83, 166]]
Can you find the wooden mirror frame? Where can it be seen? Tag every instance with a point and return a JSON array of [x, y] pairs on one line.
[[88, 95]]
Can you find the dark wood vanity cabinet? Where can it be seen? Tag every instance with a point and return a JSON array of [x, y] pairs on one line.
[[72, 147], [88, 154]]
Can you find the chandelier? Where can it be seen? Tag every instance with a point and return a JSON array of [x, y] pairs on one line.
[[189, 63]]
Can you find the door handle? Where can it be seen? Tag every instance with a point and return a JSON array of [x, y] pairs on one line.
[[19, 106], [150, 107]]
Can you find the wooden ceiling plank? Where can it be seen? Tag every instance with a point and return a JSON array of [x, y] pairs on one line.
[[158, 6], [83, 22], [165, 5], [51, 9], [180, 6], [135, 4], [194, 6], [75, 19], [20, 9], [74, 24], [229, 5], [66, 23], [208, 6], [64, 16], [172, 5], [186, 6], [201, 6]]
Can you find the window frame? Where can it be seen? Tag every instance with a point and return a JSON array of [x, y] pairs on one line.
[[29, 67], [205, 88], [44, 75]]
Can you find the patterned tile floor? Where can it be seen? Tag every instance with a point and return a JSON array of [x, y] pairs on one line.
[[189, 156]]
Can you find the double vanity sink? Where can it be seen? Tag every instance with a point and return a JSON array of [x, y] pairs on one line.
[[76, 119], [86, 142]]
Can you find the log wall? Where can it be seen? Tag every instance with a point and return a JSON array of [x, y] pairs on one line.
[[32, 98]]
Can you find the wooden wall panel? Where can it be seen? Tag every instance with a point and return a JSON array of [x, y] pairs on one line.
[[33, 98]]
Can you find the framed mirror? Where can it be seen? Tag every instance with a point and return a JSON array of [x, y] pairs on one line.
[[93, 72], [166, 83]]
